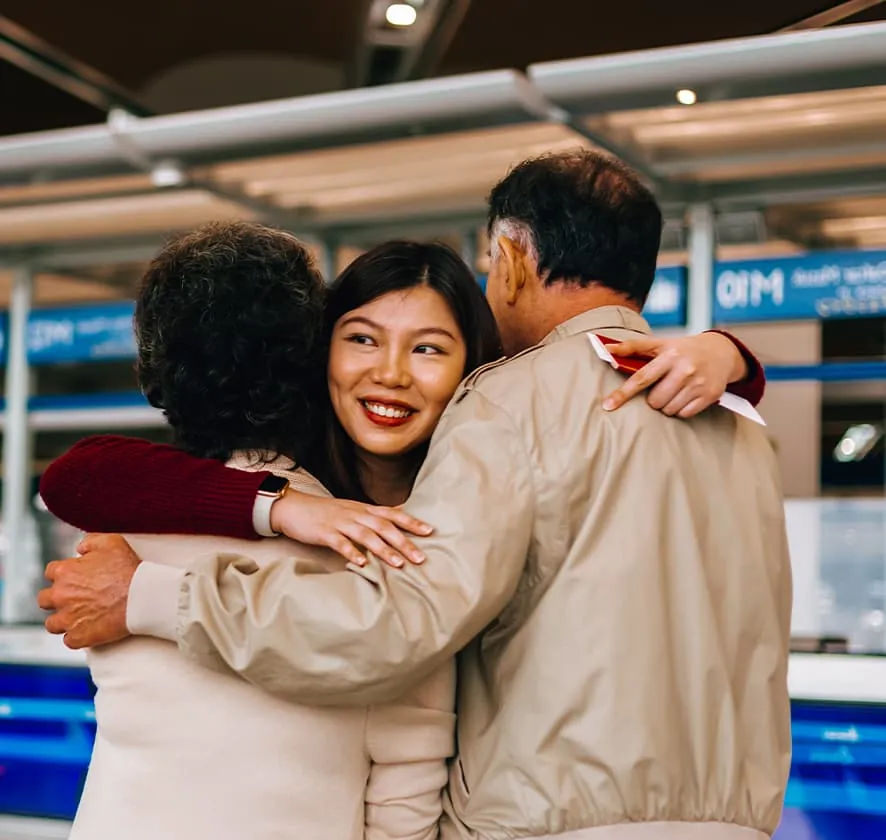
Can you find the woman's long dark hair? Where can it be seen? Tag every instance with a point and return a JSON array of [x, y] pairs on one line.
[[391, 267]]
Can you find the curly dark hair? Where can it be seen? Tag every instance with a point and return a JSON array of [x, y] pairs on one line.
[[589, 218], [230, 329]]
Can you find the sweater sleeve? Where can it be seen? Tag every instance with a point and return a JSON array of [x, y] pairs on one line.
[[408, 743], [111, 484], [753, 386]]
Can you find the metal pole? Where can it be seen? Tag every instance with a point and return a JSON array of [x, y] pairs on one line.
[[469, 248], [26, 51], [835, 14], [328, 251], [702, 254], [20, 558]]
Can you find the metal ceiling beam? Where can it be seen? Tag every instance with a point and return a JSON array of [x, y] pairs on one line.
[[789, 62], [366, 230], [835, 14], [357, 71], [474, 101], [26, 51], [73, 255], [169, 174], [387, 54], [688, 166], [790, 189], [423, 61]]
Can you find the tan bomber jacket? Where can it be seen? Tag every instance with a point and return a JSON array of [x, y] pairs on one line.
[[618, 586]]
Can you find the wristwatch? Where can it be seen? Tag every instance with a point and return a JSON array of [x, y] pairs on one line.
[[272, 489]]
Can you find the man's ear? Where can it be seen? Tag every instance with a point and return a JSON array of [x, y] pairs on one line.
[[516, 270]]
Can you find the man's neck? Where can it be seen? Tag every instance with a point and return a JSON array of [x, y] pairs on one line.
[[561, 302]]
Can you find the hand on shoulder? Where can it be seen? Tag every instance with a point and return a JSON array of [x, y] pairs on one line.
[[350, 528]]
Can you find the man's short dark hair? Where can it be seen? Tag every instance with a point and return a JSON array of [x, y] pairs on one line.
[[230, 332], [587, 217]]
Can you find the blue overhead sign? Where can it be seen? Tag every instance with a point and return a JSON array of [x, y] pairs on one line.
[[848, 284], [666, 304], [82, 333]]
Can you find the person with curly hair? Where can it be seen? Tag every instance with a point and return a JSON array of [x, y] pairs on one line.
[[231, 346]]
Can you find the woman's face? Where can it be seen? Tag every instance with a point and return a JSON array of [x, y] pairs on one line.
[[394, 364]]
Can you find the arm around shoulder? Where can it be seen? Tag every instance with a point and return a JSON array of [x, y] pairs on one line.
[[366, 635], [115, 484]]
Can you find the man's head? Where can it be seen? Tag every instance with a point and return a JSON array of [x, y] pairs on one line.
[[229, 325], [568, 232]]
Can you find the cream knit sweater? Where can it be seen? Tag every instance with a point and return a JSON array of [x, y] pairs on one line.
[[184, 753]]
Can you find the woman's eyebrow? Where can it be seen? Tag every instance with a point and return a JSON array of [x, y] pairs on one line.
[[423, 331], [361, 319], [435, 331]]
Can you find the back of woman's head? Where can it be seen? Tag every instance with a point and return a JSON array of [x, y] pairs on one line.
[[231, 343], [399, 265]]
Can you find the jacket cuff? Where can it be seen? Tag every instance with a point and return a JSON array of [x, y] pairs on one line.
[[154, 596]]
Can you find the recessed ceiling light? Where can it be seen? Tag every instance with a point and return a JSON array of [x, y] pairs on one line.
[[400, 14], [687, 97]]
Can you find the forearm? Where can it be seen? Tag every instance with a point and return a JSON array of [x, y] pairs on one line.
[[110, 483], [345, 638]]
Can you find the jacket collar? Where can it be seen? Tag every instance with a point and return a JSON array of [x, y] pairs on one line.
[[602, 318]]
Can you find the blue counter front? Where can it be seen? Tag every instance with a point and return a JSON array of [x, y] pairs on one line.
[[837, 789], [47, 728]]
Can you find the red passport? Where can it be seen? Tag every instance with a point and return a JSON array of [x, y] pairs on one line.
[[626, 364]]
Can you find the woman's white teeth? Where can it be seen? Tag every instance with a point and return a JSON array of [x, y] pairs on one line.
[[387, 410]]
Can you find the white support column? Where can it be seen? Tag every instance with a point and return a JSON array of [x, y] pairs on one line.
[[21, 558], [702, 254]]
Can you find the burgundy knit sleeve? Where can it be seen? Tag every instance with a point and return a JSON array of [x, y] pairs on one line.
[[114, 484], [753, 386]]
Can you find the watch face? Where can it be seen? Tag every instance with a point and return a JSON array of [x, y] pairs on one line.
[[273, 485]]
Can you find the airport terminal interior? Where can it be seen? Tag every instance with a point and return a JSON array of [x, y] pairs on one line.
[[762, 130]]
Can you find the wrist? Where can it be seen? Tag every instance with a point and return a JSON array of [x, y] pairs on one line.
[[274, 524], [740, 369], [271, 491], [277, 518]]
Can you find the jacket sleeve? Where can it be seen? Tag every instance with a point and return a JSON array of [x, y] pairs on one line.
[[409, 742], [753, 386], [110, 484], [364, 636]]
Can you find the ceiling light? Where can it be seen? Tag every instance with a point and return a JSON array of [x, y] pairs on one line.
[[168, 174], [687, 97], [400, 14]]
